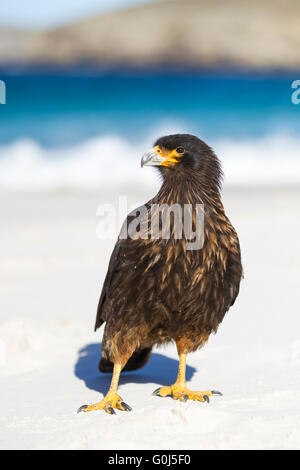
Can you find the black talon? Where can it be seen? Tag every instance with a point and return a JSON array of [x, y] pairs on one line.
[[126, 407], [110, 411], [215, 392], [156, 392], [81, 408], [185, 398], [206, 398]]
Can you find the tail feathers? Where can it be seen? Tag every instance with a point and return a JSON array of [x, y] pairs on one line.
[[138, 359]]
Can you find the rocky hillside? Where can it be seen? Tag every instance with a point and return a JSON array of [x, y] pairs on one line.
[[251, 33]]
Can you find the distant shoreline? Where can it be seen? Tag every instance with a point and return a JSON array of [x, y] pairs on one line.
[[89, 68], [256, 35]]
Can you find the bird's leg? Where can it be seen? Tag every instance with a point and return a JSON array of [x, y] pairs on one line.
[[179, 390], [112, 399]]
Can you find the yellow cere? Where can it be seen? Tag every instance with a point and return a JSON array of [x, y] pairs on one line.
[[170, 156]]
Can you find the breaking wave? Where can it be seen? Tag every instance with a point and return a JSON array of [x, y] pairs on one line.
[[111, 161]]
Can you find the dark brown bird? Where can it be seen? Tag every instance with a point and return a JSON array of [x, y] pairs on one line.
[[164, 282]]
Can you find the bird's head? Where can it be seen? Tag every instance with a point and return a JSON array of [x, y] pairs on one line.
[[184, 156]]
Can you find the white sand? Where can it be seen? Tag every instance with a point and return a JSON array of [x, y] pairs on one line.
[[51, 269]]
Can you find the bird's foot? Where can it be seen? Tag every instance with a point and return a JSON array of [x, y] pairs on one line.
[[109, 403], [182, 393]]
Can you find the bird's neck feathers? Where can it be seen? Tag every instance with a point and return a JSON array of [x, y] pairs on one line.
[[190, 187]]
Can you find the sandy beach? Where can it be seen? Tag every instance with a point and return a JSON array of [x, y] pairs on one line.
[[52, 268]]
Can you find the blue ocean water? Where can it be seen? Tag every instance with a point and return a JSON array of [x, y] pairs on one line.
[[60, 128], [56, 109]]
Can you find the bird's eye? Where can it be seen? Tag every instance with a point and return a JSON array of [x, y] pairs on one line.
[[180, 150]]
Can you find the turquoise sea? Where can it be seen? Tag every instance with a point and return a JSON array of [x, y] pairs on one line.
[[51, 117]]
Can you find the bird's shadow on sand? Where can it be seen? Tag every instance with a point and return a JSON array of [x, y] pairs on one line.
[[160, 370]]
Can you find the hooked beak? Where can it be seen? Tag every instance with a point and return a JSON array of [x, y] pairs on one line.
[[151, 158]]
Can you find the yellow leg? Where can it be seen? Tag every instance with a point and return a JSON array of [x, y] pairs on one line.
[[112, 399], [179, 390]]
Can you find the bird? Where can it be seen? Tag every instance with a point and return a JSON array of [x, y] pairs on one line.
[[161, 286]]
